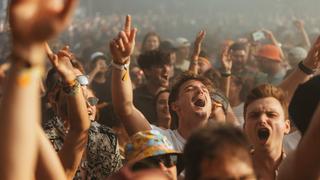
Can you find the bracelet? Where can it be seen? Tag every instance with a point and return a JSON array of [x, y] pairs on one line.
[[225, 74], [194, 62], [72, 89], [120, 67], [305, 69]]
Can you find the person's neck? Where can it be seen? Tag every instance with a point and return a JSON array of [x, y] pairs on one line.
[[275, 70], [235, 101], [179, 61], [152, 88], [164, 123], [185, 130], [267, 159]]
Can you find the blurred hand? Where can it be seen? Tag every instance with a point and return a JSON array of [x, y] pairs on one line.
[[101, 66], [122, 47], [267, 33], [62, 62], [226, 60], [299, 24], [313, 59], [35, 21], [197, 45]]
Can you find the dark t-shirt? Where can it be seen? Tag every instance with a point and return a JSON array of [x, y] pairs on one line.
[[144, 102]]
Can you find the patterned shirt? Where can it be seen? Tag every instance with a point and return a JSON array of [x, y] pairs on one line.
[[102, 156]]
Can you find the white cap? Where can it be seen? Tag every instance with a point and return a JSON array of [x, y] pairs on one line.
[[181, 42], [96, 55]]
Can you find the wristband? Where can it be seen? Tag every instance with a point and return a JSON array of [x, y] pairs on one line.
[[120, 67], [123, 67], [72, 89], [225, 74], [305, 69]]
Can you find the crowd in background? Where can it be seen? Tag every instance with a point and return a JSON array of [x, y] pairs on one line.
[[163, 95]]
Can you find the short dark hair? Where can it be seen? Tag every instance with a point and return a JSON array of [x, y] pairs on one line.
[[265, 91], [304, 103], [209, 143], [153, 58], [179, 81], [237, 46]]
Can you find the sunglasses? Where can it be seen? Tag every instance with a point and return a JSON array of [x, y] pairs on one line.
[[83, 80], [168, 160], [93, 101]]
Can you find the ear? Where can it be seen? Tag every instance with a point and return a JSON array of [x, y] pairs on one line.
[[174, 106], [287, 126]]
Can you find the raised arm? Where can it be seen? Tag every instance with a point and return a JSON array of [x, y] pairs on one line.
[[32, 23], [274, 41], [226, 63], [76, 138], [300, 26], [121, 48], [304, 163], [193, 68], [311, 63]]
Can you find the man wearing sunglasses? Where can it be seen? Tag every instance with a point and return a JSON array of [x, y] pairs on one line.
[[101, 156], [150, 149]]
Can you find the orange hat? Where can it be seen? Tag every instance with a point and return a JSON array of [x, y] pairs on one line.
[[270, 52]]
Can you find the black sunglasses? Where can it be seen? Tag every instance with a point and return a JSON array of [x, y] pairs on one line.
[[93, 101], [168, 160]]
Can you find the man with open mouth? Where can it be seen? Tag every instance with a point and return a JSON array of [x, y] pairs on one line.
[[266, 123]]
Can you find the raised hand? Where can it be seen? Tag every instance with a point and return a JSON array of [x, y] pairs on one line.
[[197, 45], [122, 47], [62, 62], [313, 59], [35, 21], [267, 33], [299, 24], [226, 60]]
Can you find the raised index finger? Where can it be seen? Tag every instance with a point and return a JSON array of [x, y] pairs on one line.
[[127, 25]]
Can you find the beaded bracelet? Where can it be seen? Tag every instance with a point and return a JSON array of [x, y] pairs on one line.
[[72, 89]]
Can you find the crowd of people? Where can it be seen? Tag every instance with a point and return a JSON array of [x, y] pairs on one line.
[[112, 99]]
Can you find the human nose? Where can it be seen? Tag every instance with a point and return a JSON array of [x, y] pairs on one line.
[[263, 118]]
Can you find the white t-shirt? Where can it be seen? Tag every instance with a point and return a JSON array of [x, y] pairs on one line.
[[291, 141], [173, 136], [238, 112]]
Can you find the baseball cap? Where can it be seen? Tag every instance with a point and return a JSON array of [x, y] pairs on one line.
[[270, 52]]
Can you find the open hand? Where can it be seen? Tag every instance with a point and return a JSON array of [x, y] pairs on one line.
[[226, 60], [62, 62], [197, 45]]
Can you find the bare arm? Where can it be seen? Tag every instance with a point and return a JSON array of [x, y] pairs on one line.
[[304, 163], [226, 63], [297, 76], [274, 41], [75, 141], [121, 49], [20, 108], [20, 112], [306, 40], [193, 68], [48, 164]]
